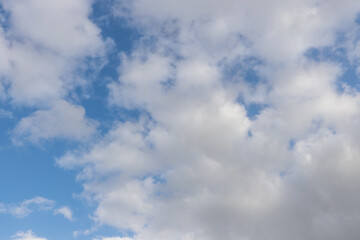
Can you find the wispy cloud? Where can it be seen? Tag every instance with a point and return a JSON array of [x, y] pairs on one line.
[[28, 235], [26, 207], [64, 211], [5, 114]]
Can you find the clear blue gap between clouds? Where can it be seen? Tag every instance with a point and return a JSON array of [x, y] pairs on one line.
[[123, 38]]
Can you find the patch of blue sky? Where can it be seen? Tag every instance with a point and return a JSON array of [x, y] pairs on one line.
[[37, 175], [116, 28], [329, 54], [6, 123], [123, 38], [339, 55], [292, 143], [357, 19], [38, 219], [349, 78], [253, 109], [243, 70], [36, 222], [28, 171], [246, 70]]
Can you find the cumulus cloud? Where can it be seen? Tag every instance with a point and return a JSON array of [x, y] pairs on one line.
[[42, 66], [63, 120], [39, 69], [195, 165], [28, 235], [26, 207], [74, 33], [65, 211]]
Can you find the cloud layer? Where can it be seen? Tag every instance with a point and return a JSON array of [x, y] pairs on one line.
[[248, 128], [199, 164]]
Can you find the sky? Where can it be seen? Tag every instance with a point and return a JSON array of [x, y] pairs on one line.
[[179, 120]]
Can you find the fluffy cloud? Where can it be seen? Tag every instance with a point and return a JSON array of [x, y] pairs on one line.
[[63, 120], [43, 65], [293, 26], [39, 69], [62, 26], [28, 235], [195, 166]]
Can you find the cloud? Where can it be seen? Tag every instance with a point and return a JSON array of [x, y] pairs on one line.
[[63, 120], [28, 235], [5, 114], [26, 207], [194, 165], [47, 49], [2, 208], [65, 211], [294, 26], [75, 33], [113, 238], [85, 232], [41, 67]]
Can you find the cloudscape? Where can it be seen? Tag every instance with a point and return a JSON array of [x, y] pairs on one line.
[[179, 120]]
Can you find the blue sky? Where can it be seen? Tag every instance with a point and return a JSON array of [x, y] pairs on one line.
[[186, 120], [29, 170]]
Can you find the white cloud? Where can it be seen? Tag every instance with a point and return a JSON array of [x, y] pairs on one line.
[[62, 25], [27, 207], [65, 211], [28, 235], [294, 26], [85, 232], [44, 62], [113, 238], [46, 49], [63, 120], [198, 167]]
